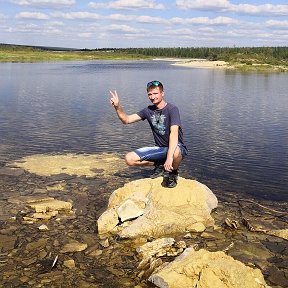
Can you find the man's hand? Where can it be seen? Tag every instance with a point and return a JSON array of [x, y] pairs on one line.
[[168, 165], [114, 100]]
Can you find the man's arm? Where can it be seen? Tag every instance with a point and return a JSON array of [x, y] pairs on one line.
[[125, 119], [173, 143]]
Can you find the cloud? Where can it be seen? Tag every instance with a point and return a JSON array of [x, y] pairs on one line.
[[76, 15], [202, 4], [85, 35], [226, 6], [204, 20], [152, 20], [45, 3], [266, 9], [32, 15], [121, 17], [127, 4], [277, 24], [124, 28], [34, 29]]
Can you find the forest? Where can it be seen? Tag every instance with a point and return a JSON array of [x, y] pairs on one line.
[[248, 56]]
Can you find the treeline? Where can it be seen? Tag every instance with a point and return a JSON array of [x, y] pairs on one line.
[[268, 55], [245, 55]]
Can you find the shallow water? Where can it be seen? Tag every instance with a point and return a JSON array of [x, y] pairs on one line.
[[235, 124]]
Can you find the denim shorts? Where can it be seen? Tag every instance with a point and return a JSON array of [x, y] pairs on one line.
[[157, 154]]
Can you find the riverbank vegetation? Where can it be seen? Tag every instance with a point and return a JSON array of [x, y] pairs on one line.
[[244, 58], [15, 53]]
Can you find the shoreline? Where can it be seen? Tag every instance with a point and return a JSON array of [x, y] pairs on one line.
[[196, 63], [220, 64], [199, 63]]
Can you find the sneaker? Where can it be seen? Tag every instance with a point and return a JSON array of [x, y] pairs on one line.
[[158, 171], [170, 179]]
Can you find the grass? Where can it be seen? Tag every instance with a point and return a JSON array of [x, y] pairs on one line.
[[39, 55]]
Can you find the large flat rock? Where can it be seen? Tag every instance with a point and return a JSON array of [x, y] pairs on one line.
[[186, 207], [204, 269]]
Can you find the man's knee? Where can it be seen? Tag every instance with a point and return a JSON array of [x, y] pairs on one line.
[[177, 154], [131, 158]]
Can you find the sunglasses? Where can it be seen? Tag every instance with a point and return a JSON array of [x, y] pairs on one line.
[[153, 83]]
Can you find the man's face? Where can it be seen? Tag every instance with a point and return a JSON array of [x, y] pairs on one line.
[[155, 95]]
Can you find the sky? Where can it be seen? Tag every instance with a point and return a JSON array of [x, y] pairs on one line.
[[144, 23]]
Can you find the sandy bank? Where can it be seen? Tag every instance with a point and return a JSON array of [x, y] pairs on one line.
[[196, 63], [203, 64]]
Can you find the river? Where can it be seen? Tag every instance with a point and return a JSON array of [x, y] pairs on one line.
[[235, 124]]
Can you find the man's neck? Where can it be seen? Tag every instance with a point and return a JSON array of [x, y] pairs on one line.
[[161, 105]]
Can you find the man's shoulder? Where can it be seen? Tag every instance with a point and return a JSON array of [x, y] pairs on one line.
[[171, 106]]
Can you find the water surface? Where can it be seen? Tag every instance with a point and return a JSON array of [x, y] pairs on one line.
[[235, 124]]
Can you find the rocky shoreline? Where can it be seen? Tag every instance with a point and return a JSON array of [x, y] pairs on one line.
[[66, 249]]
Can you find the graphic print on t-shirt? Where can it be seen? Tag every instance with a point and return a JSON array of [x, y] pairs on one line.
[[158, 122]]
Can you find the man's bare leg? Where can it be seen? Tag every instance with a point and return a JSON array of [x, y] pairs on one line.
[[177, 158], [132, 159]]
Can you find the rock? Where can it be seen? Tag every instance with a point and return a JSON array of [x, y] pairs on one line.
[[7, 242], [7, 171], [73, 246], [104, 243], [206, 269], [43, 227], [50, 204], [129, 210], [282, 233], [151, 248], [185, 208], [250, 251], [71, 164], [70, 263], [41, 243], [197, 227], [152, 251], [107, 221], [96, 253]]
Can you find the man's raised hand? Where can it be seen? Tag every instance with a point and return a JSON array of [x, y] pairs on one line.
[[114, 100]]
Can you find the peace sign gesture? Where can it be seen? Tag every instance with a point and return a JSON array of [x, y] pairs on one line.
[[114, 100]]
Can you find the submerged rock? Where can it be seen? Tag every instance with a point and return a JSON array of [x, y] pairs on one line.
[[71, 164], [73, 246], [186, 207], [49, 204], [206, 269]]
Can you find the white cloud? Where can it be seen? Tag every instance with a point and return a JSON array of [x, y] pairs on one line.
[[127, 4], [76, 15], [202, 4], [85, 35], [225, 5], [32, 15], [204, 20], [121, 17], [277, 24], [34, 29], [152, 20], [45, 3], [266, 9], [124, 28]]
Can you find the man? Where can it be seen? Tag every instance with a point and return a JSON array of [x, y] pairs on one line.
[[164, 120]]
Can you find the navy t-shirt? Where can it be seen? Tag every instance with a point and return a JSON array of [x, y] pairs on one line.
[[160, 121]]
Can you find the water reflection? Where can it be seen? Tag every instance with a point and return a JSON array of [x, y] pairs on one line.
[[235, 125]]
